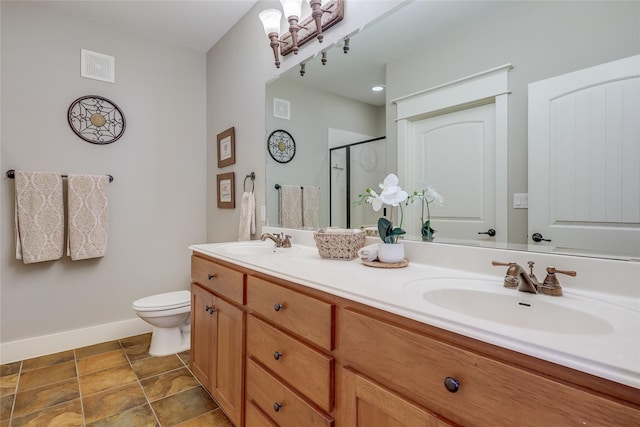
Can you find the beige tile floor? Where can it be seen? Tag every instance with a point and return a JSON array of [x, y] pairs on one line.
[[115, 383]]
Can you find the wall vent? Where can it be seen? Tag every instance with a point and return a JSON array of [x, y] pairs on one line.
[[97, 66]]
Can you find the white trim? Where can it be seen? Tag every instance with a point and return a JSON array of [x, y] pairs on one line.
[[54, 343], [490, 86], [474, 88]]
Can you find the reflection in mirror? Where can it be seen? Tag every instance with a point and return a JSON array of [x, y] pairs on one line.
[[355, 167], [427, 44]]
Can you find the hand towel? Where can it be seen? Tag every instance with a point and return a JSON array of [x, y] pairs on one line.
[[290, 206], [247, 216], [310, 206], [369, 253], [88, 200], [39, 216]]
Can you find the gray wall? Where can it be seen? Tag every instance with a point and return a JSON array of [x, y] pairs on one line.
[[312, 113], [541, 40], [157, 200]]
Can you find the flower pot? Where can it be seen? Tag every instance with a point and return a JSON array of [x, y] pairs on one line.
[[390, 252]]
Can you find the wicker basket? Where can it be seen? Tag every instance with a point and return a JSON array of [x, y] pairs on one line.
[[339, 245]]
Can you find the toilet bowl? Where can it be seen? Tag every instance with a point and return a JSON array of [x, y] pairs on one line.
[[168, 313]]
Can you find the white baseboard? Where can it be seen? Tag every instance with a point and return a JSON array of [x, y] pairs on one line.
[[54, 343]]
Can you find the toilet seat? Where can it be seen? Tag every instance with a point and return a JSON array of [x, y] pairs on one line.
[[166, 301]]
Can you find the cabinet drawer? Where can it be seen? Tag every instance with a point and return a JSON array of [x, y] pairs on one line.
[[221, 280], [253, 417], [280, 402], [416, 366], [303, 315], [307, 370]]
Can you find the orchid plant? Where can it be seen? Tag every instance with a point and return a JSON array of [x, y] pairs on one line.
[[426, 195], [392, 195]]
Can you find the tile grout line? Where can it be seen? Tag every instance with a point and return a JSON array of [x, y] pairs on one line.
[[75, 359], [15, 393], [153, 411]]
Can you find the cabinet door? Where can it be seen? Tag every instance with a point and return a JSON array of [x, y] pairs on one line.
[[366, 404], [228, 362], [201, 334]]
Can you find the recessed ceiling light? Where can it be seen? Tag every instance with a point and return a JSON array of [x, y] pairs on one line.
[[378, 88]]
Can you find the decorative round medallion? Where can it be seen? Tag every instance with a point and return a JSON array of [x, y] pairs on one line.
[[96, 119], [281, 145]]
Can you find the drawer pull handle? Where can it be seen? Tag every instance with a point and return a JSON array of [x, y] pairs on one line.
[[211, 276], [277, 407], [278, 306], [277, 355], [452, 384]]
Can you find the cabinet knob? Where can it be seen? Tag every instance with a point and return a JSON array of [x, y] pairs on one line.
[[452, 384], [212, 310], [277, 355], [211, 276], [277, 306], [277, 407], [207, 308]]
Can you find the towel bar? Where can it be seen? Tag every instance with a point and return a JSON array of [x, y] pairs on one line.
[[252, 175], [11, 173]]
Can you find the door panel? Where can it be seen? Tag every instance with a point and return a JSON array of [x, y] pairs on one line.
[[455, 154], [584, 159]]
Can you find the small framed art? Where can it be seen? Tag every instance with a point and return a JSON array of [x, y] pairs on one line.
[[226, 191], [226, 148]]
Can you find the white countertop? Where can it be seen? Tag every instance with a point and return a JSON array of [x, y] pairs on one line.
[[613, 354]]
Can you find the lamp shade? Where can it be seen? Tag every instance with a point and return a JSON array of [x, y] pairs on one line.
[[271, 20], [291, 8]]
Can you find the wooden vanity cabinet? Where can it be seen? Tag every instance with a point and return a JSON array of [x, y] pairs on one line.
[[290, 368], [456, 385], [275, 353], [217, 333]]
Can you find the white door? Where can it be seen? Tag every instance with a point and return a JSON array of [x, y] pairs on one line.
[[455, 154], [584, 159]]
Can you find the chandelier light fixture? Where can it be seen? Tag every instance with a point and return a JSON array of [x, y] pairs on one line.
[[322, 17]]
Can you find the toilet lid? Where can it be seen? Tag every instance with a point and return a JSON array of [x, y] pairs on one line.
[[164, 301]]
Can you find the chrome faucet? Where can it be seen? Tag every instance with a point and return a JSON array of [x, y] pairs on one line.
[[281, 240], [517, 277]]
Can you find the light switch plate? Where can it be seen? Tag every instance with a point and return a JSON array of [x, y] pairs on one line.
[[521, 200]]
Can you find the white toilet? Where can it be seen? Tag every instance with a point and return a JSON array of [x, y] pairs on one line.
[[169, 315]]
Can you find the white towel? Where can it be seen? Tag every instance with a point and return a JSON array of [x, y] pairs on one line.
[[310, 206], [88, 200], [369, 253], [290, 206], [39, 216], [247, 216]]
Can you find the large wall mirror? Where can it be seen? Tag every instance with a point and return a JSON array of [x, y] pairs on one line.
[[424, 45]]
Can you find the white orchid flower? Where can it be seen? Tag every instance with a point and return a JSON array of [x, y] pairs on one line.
[[391, 193], [433, 195], [374, 199]]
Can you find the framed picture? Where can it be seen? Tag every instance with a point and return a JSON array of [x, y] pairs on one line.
[[226, 191], [226, 148]]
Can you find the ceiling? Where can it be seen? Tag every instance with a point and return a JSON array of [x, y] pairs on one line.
[[195, 24]]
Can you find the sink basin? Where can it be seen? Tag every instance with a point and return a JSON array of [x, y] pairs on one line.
[[256, 247], [488, 300]]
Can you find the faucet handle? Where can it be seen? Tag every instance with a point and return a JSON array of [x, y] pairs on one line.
[[287, 241], [505, 264], [551, 286], [553, 270]]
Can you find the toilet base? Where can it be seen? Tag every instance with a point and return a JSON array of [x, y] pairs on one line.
[[166, 341]]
